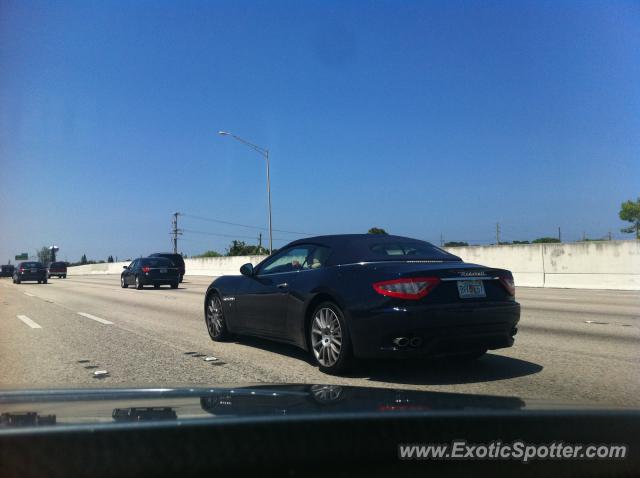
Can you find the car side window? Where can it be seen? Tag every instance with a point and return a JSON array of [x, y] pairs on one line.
[[133, 265], [291, 260]]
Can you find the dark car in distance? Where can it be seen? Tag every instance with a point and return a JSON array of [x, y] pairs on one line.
[[30, 271], [58, 269], [7, 270], [367, 295], [177, 259], [155, 271]]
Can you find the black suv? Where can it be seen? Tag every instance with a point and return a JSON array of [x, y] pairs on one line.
[[35, 271], [175, 258], [7, 270]]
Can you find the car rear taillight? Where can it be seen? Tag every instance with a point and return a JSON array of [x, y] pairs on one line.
[[412, 288], [21, 269], [508, 284], [146, 269]]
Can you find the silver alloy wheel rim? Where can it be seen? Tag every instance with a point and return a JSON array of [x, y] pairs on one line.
[[122, 281], [137, 281], [215, 318], [326, 337]]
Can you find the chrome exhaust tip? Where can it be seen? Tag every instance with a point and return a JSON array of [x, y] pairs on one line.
[[401, 341], [415, 341]]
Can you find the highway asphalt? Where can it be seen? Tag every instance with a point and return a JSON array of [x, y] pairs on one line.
[[573, 346]]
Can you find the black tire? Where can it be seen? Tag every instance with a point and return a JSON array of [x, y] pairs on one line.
[[181, 277], [17, 281], [123, 284], [323, 345], [156, 286], [214, 319], [139, 284], [39, 282], [64, 276], [44, 281], [174, 285]]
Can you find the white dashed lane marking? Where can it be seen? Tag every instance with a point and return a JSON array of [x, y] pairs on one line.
[[93, 317], [28, 321], [30, 295]]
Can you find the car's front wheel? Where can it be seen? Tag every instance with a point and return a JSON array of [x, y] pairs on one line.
[[44, 281], [123, 283], [329, 339], [138, 283], [215, 320]]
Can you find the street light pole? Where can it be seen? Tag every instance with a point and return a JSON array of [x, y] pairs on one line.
[[265, 154]]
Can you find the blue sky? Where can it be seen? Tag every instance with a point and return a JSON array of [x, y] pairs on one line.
[[424, 118]]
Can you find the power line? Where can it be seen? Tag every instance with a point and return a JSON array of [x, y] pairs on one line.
[[210, 219], [234, 236]]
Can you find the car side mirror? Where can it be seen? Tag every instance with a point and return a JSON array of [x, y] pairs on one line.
[[247, 270], [125, 267]]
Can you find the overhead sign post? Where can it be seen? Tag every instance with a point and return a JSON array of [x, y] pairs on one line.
[[22, 257]]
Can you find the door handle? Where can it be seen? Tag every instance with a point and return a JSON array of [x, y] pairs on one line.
[[284, 285]]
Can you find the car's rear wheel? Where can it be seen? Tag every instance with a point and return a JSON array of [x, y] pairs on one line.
[[16, 281], [329, 339], [44, 281], [123, 283], [138, 283], [156, 286], [64, 276], [215, 320], [181, 277], [174, 285]]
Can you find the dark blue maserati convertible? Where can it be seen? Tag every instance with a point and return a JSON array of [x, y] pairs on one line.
[[367, 295]]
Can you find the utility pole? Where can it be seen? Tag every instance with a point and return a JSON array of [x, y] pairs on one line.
[[497, 233], [175, 232], [609, 235], [559, 234], [584, 236], [259, 243]]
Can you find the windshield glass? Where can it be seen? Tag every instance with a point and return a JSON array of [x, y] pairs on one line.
[[435, 196]]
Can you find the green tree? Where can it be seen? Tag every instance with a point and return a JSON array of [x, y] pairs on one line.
[[209, 254], [545, 240], [522, 242], [240, 248], [83, 259], [110, 259], [376, 230], [456, 244], [44, 255], [630, 211]]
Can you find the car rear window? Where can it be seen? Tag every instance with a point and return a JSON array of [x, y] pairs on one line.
[[175, 258], [32, 265], [157, 262], [405, 250], [58, 264]]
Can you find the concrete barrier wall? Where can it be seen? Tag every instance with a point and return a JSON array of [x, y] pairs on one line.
[[581, 265]]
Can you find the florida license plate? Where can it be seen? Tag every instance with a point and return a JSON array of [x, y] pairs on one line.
[[470, 289]]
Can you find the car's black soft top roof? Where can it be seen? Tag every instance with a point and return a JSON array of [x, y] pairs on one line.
[[350, 248]]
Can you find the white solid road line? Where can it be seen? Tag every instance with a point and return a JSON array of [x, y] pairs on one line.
[[28, 321], [93, 317]]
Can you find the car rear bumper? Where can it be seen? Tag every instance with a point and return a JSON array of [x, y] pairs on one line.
[[436, 330], [159, 280], [30, 277]]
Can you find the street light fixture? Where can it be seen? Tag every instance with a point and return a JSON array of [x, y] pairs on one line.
[[265, 153]]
